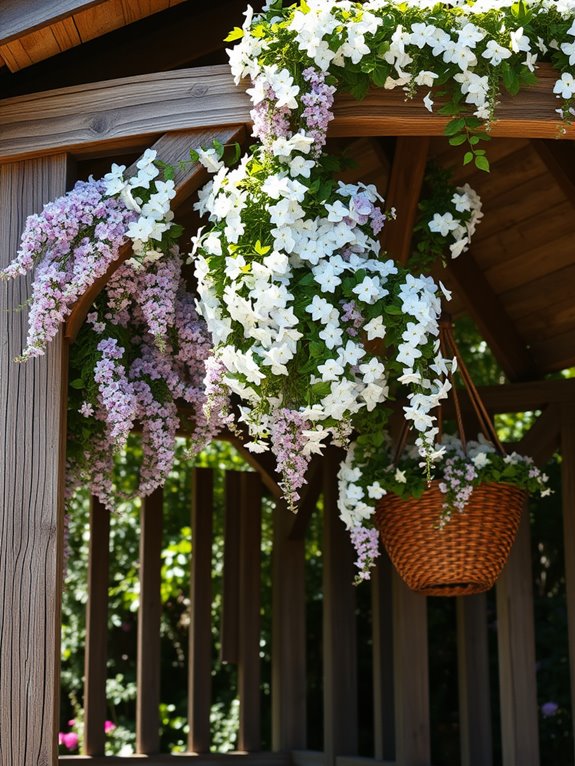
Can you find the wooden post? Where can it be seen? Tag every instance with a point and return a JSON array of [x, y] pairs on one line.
[[149, 623], [383, 692], [32, 441], [288, 636], [200, 657], [473, 673], [96, 657], [411, 683], [249, 736], [568, 495], [229, 638], [516, 645], [339, 627]]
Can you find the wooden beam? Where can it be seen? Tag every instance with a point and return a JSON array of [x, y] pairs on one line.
[[32, 445], [542, 439], [403, 193], [172, 148], [568, 503], [382, 650], [116, 113], [491, 318], [520, 397], [182, 759], [17, 18], [229, 628]]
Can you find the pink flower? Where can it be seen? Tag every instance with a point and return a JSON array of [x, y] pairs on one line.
[[68, 739], [109, 726]]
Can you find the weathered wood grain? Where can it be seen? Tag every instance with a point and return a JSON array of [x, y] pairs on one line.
[[149, 622], [115, 113], [32, 429], [200, 636], [339, 625], [96, 656], [180, 759], [18, 17], [229, 630]]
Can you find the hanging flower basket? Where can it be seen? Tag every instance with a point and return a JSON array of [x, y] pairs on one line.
[[464, 556]]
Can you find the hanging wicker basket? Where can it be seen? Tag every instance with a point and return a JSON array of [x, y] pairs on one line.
[[464, 557], [467, 554]]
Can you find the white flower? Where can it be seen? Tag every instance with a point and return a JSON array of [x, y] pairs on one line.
[[330, 370], [565, 87], [114, 180], [520, 42], [479, 460], [314, 441], [368, 290], [495, 53], [320, 309], [428, 102], [351, 353], [375, 491], [400, 476], [331, 335], [426, 78], [443, 224], [209, 159], [372, 371], [373, 394], [301, 167], [375, 328]]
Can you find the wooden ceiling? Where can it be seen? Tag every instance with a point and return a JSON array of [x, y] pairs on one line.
[[517, 280]]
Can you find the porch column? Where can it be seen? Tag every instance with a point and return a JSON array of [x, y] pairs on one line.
[[32, 430]]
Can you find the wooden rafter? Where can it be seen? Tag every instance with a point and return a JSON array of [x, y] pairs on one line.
[[559, 159], [18, 18], [491, 318], [116, 113], [171, 148], [403, 193]]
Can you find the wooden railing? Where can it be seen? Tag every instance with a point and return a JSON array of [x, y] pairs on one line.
[[399, 641]]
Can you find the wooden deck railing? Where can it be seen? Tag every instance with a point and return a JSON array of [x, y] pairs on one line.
[[398, 642]]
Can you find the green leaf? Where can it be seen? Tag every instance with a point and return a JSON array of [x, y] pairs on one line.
[[236, 34], [78, 383], [482, 163], [261, 249], [458, 140], [468, 158], [379, 76], [194, 156], [455, 126]]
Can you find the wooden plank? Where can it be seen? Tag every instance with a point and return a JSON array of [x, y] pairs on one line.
[[115, 112], [568, 502], [289, 703], [200, 637], [556, 353], [181, 759], [229, 636], [18, 17], [491, 318], [172, 148], [553, 287], [32, 444], [149, 623], [516, 651], [96, 657], [403, 192], [339, 627], [383, 683], [520, 397], [542, 439], [558, 158], [411, 683], [249, 735], [473, 677]]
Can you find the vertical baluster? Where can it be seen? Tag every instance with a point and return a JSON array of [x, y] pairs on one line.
[[249, 738], [149, 618], [339, 627], [516, 648], [229, 651], [200, 655], [473, 672], [96, 656], [383, 694], [411, 683], [568, 495], [288, 635]]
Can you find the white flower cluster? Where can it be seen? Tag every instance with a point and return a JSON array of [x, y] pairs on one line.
[[154, 214], [466, 200], [333, 32]]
